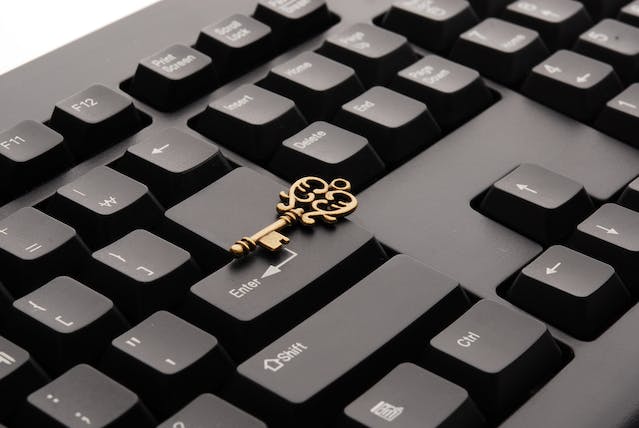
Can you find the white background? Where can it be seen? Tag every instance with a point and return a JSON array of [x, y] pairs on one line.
[[30, 28]]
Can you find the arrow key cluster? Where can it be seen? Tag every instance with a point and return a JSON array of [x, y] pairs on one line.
[[538, 203], [573, 84], [572, 291]]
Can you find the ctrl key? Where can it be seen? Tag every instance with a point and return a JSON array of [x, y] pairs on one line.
[[411, 397], [84, 397], [498, 354]]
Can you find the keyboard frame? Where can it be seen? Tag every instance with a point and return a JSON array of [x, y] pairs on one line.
[[598, 388]]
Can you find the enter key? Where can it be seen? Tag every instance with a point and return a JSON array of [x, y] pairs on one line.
[[250, 302]]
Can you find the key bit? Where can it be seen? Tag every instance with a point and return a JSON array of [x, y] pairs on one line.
[[308, 199]]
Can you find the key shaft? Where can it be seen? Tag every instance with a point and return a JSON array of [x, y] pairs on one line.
[[269, 237]]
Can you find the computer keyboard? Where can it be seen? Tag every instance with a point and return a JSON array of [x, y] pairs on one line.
[[488, 277]]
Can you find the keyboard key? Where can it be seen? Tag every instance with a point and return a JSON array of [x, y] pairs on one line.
[[142, 273], [206, 408], [630, 196], [325, 150], [630, 13], [599, 9], [318, 85], [395, 125], [489, 7], [95, 118], [620, 116], [411, 397], [29, 153], [431, 24], [35, 248], [500, 50], [499, 355], [84, 397], [196, 223], [237, 44], [19, 376], [574, 292], [538, 203], [573, 84], [452, 92], [64, 323], [104, 205], [251, 121], [317, 362], [374, 53], [293, 21], [173, 77], [558, 22], [174, 164], [249, 303], [168, 361], [611, 235], [614, 43]]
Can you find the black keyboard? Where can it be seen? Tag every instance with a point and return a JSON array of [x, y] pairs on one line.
[[488, 277]]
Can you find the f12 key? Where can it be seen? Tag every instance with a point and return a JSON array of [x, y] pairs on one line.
[[95, 118]]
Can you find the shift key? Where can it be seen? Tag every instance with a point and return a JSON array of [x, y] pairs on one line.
[[362, 334]]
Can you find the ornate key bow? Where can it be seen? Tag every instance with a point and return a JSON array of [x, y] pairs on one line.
[[308, 199]]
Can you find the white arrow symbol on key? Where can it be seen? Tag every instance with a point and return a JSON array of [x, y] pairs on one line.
[[159, 151], [584, 78], [553, 270], [274, 270], [526, 188], [610, 231]]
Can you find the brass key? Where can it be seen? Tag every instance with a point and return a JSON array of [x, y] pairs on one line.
[[307, 199]]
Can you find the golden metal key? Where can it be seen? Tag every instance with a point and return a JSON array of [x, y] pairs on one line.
[[308, 199]]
